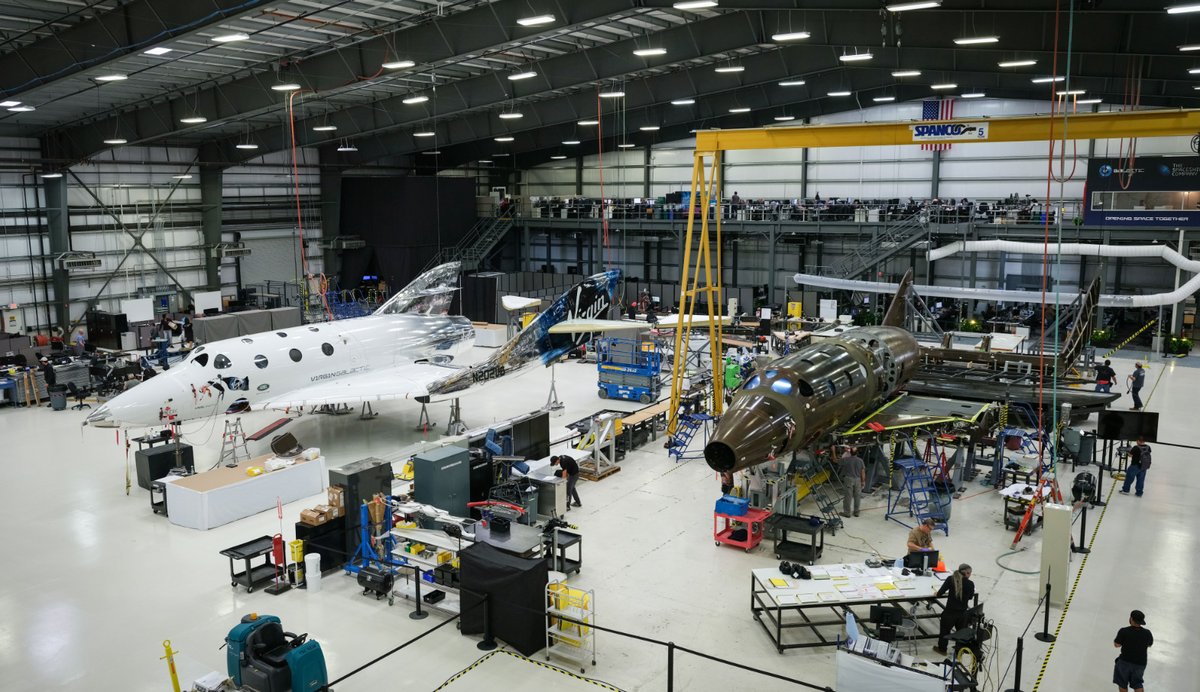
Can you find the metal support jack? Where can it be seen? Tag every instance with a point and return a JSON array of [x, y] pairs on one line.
[[553, 405], [600, 444], [424, 423], [455, 426], [367, 412]]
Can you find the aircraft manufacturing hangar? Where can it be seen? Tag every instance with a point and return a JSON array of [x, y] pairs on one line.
[[859, 324]]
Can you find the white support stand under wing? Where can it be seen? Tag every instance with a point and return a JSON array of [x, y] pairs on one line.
[[1056, 551]]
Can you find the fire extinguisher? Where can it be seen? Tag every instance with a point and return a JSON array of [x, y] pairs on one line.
[[277, 552]]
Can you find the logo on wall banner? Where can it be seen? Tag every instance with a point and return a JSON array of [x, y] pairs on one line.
[[949, 132]]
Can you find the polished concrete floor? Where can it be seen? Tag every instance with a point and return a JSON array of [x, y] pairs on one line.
[[95, 582]]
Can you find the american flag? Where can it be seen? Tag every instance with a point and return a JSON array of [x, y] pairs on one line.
[[942, 109]]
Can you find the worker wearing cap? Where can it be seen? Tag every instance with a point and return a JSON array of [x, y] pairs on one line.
[[1136, 381], [1133, 641], [920, 539]]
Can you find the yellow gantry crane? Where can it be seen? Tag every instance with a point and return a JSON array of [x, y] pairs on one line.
[[706, 187]]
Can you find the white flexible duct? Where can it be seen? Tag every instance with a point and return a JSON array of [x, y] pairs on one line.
[[1073, 249], [1106, 300]]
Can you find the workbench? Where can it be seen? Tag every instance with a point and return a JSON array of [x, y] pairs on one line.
[[521, 540], [221, 495], [812, 612]]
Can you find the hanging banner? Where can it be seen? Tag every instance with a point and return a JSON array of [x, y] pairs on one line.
[[949, 132], [1156, 191]]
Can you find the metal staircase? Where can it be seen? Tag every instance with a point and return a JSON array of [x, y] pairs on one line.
[[919, 490], [821, 478], [475, 245], [689, 425], [890, 241]]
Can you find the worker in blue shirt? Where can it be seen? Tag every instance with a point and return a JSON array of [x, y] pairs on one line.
[[1136, 381]]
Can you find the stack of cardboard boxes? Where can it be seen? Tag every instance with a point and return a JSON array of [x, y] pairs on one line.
[[335, 508]]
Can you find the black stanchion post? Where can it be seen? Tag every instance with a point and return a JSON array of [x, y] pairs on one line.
[[1017, 678], [1101, 466], [670, 666], [417, 614], [1082, 548], [489, 642], [1044, 635]]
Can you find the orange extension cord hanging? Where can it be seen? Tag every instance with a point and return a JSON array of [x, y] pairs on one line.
[[600, 155], [307, 278]]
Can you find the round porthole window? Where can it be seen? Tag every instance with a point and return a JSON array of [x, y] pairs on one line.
[[327, 349], [295, 355], [260, 362]]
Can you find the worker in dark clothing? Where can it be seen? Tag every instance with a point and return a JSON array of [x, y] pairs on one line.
[[1133, 641], [958, 590], [726, 482], [1140, 458], [1105, 376], [1136, 381], [569, 469], [48, 375]]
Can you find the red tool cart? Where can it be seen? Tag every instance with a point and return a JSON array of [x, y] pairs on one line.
[[752, 521]]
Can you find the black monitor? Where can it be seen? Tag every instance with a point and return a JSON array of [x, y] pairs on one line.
[[1127, 425], [887, 615], [924, 559]]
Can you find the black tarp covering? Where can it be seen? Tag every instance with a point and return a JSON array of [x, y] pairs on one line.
[[516, 589]]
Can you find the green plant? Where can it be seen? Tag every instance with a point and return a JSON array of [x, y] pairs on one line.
[[1178, 345], [1102, 336], [970, 325]]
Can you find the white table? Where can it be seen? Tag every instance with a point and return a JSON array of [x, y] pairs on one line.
[[818, 606], [217, 497]]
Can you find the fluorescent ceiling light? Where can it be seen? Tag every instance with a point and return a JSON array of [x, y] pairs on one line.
[[9, 104], [230, 38], [839, 93], [1194, 70], [398, 64], [415, 99], [518, 76], [504, 139], [792, 82], [558, 157], [884, 99], [905, 6], [433, 152], [1072, 92], [1047, 80], [791, 36], [52, 175], [976, 40], [729, 69], [184, 176], [612, 94], [1189, 48], [485, 160], [649, 128], [784, 118], [589, 122], [647, 52], [287, 86], [246, 145], [1016, 63], [1085, 102], [158, 51], [324, 128], [626, 145], [424, 133], [695, 4], [498, 156], [116, 140], [906, 73], [947, 85], [193, 120], [683, 102], [537, 20], [111, 78], [973, 95], [570, 142], [21, 109], [855, 57], [347, 147], [1184, 9], [511, 116], [740, 109]]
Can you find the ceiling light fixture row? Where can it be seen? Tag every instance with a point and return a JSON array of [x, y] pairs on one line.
[[920, 5], [695, 4]]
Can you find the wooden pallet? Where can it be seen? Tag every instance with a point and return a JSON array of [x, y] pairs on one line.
[[588, 474]]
